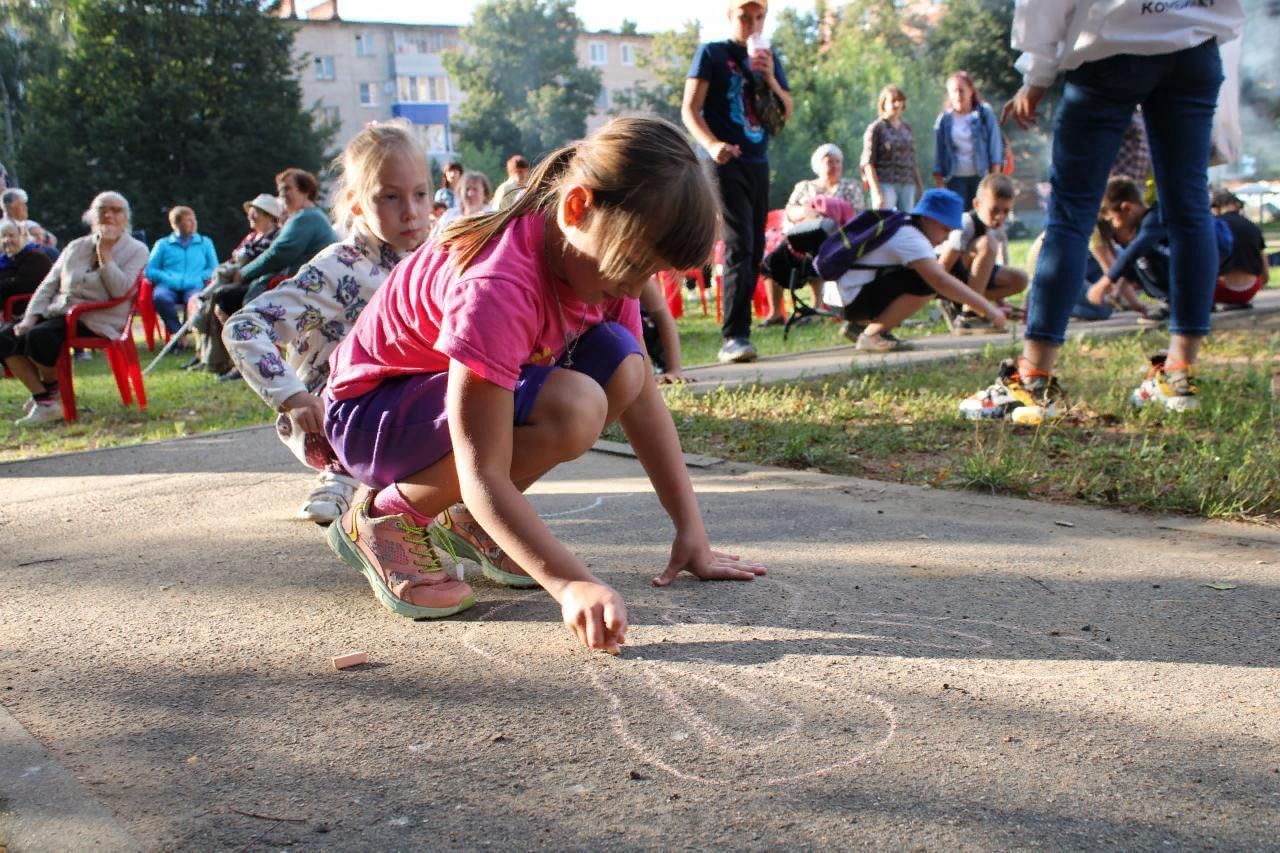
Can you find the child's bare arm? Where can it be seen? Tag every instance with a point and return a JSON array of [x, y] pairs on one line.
[[652, 434], [480, 426], [947, 285], [655, 305]]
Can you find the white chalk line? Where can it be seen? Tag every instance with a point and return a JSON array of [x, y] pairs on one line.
[[599, 501]]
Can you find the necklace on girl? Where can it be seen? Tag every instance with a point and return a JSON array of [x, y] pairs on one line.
[[570, 341]]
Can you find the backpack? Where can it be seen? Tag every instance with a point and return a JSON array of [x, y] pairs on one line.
[[866, 232]]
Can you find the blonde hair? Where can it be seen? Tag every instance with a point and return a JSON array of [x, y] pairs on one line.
[[474, 177], [651, 198], [887, 95], [176, 213], [361, 162]]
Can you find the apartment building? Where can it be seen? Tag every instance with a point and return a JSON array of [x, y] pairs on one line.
[[358, 71]]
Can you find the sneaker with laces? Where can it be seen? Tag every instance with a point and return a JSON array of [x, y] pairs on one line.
[[397, 559], [972, 324], [42, 412], [950, 312], [457, 531], [329, 499], [882, 342], [736, 351], [1028, 402], [1173, 389], [852, 331], [1155, 315]]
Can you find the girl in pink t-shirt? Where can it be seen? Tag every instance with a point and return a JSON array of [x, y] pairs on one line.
[[503, 349]]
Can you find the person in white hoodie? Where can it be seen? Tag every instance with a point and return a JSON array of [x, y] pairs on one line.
[[1117, 55]]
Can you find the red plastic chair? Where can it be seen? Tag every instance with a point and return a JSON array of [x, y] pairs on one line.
[[11, 305], [759, 299], [121, 352], [152, 326]]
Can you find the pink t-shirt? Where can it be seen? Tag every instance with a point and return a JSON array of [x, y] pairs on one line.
[[496, 317]]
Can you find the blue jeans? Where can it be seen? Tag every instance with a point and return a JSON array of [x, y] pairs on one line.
[[1178, 93], [167, 299], [965, 186]]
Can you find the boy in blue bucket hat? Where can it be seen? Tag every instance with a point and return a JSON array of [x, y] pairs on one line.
[[899, 276]]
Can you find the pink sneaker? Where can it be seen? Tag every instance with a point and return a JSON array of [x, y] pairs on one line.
[[457, 531], [396, 557]]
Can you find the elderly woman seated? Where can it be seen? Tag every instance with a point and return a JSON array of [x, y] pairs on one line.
[[264, 213], [15, 208], [810, 200], [98, 268], [26, 265], [180, 265]]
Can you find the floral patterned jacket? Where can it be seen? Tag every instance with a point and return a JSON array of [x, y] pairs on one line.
[[280, 342]]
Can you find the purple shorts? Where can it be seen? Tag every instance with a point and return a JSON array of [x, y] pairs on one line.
[[400, 427]]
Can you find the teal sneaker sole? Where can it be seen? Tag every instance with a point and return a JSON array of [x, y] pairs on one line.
[[451, 541], [342, 545]]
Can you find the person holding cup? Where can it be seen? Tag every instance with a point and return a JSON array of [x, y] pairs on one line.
[[719, 113]]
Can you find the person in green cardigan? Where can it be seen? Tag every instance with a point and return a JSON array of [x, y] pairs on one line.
[[306, 231]]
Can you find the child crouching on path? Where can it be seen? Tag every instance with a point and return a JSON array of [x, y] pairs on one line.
[[503, 350], [382, 204]]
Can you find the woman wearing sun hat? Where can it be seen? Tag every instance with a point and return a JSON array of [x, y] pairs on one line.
[[264, 213]]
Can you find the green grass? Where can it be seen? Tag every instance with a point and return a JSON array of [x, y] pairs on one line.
[[178, 403], [1220, 462]]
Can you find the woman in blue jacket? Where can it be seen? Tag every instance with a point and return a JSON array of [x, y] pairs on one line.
[[180, 265], [967, 142]]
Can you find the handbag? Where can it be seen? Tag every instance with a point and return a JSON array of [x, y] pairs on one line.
[[769, 107]]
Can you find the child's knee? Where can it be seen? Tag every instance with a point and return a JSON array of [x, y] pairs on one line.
[[627, 382], [573, 407], [1013, 280]]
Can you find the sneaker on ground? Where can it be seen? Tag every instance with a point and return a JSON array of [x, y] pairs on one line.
[[457, 531], [1027, 403], [951, 312], [852, 331], [736, 351], [84, 355], [882, 342], [971, 324], [230, 376], [397, 559], [1155, 315], [1172, 389], [42, 412], [329, 499]]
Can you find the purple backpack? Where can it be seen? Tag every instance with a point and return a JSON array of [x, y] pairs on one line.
[[868, 230]]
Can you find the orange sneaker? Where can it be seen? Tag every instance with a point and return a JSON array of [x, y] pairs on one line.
[[396, 557], [457, 531]]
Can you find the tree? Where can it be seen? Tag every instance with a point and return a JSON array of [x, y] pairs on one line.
[[169, 102], [974, 36], [525, 89], [667, 58], [34, 39]]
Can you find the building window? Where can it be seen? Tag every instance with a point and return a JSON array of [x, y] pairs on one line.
[[416, 90], [628, 54], [407, 43], [435, 42], [433, 137], [325, 68], [602, 99], [598, 53], [329, 116], [364, 44], [368, 94]]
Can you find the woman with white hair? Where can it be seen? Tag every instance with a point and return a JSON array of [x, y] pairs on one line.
[[98, 268], [15, 208], [24, 264], [808, 201]]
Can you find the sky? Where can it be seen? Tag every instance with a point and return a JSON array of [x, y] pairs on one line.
[[650, 16]]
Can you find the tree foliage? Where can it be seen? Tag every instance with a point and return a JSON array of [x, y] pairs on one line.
[[973, 36], [169, 102], [525, 89], [667, 58], [836, 71]]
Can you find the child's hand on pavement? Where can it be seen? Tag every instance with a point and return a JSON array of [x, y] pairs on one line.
[[595, 614], [674, 377], [1099, 290], [702, 562]]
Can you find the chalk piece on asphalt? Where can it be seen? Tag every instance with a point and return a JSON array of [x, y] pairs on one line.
[[349, 660], [1064, 524]]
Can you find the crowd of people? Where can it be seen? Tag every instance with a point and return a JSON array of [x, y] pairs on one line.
[[430, 355]]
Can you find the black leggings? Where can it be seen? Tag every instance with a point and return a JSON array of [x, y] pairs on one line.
[[43, 343]]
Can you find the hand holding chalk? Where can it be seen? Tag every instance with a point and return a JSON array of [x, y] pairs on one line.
[[596, 615]]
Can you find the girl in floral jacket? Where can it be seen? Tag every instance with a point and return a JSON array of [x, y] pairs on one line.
[[281, 341]]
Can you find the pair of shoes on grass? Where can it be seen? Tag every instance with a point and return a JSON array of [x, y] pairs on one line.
[[1030, 397], [402, 560]]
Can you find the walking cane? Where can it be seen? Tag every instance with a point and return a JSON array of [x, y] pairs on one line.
[[173, 341]]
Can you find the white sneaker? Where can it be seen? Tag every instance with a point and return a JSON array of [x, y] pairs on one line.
[[40, 413], [330, 498], [737, 350]]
